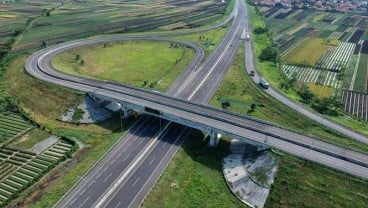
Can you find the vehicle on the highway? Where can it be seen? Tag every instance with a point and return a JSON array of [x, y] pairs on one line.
[[247, 38], [263, 83], [252, 73]]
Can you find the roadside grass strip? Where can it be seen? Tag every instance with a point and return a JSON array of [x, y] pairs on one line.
[[355, 104], [12, 126], [337, 59], [310, 75], [20, 169]]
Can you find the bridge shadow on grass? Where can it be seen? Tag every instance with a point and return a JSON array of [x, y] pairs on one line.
[[196, 147], [114, 124]]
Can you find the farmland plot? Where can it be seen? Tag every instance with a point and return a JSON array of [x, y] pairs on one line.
[[11, 126], [337, 59], [310, 75], [334, 35], [360, 83], [356, 36], [308, 52], [20, 169], [355, 103]]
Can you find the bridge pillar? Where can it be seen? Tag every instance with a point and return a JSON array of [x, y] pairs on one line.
[[126, 112], [214, 138], [262, 147]]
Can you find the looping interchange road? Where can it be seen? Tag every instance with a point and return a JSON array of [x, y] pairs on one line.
[[126, 174]]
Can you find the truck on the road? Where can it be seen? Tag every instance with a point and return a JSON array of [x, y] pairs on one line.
[[247, 38], [263, 83]]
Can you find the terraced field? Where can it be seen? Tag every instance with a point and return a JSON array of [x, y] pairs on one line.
[[11, 126], [20, 169]]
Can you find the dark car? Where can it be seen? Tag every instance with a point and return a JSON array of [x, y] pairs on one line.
[[252, 73]]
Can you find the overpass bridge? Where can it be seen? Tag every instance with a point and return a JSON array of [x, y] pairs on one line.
[[212, 120]]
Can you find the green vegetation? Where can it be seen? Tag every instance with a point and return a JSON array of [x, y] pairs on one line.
[[268, 54], [148, 64], [11, 126], [309, 52], [194, 178], [27, 141], [238, 87], [44, 102], [61, 180], [300, 183], [319, 17], [77, 19], [208, 39], [276, 77], [20, 169], [361, 80], [196, 164], [269, 70], [320, 91], [77, 115]]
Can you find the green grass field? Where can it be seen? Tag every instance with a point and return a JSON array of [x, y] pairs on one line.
[[147, 64], [300, 183], [194, 178], [309, 52]]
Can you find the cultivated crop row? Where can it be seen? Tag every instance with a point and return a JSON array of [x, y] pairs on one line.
[[305, 74], [355, 103], [12, 125], [355, 38], [20, 169], [337, 59], [334, 36]]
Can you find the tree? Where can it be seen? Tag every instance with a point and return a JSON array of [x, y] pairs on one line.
[[18, 31], [326, 106], [43, 44], [260, 30], [225, 104], [306, 95], [269, 54], [252, 108]]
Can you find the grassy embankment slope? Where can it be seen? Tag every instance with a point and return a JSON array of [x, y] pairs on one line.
[[274, 76]]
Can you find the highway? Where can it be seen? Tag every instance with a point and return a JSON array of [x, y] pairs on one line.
[[159, 154], [121, 169]]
